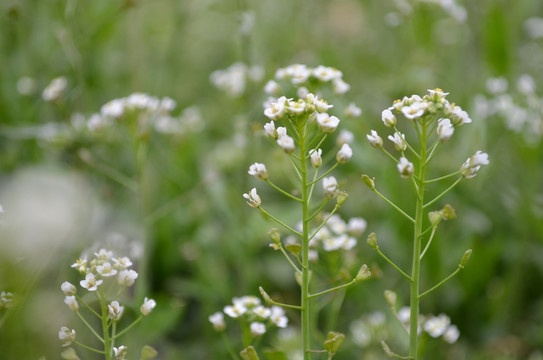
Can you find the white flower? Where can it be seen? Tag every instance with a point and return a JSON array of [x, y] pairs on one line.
[[331, 243], [388, 118], [286, 143], [252, 198], [374, 139], [340, 86], [436, 326], [298, 73], [296, 107], [330, 187], [302, 92], [346, 242], [352, 110], [54, 90], [106, 270], [235, 311], [248, 301], [261, 311], [458, 116], [26, 85], [344, 137], [258, 328], [275, 111], [97, 122], [356, 226], [437, 95], [217, 319], [316, 157], [113, 108], [80, 264], [413, 111], [405, 168], [115, 310], [399, 141], [90, 283], [344, 154], [278, 317], [321, 105], [497, 85], [327, 123], [272, 88], [336, 224], [404, 315], [526, 84], [6, 300], [474, 163], [259, 171], [71, 302], [324, 73], [451, 334], [269, 128], [68, 288], [127, 277], [120, 352], [122, 263], [66, 335], [281, 131], [444, 129], [147, 306], [103, 255]]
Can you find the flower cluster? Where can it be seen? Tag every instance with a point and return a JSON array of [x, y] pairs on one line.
[[249, 310], [337, 234], [233, 80], [6, 300], [520, 107], [301, 76], [435, 326], [370, 329]]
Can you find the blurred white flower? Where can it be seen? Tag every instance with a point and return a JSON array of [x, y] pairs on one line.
[[534, 27], [269, 128], [344, 137], [496, 85], [68, 288], [356, 226], [325, 73], [327, 123], [252, 198], [340, 87], [278, 316], [272, 88], [352, 110], [55, 89], [106, 270], [72, 303], [287, 143], [127, 277], [437, 325], [147, 306], [262, 311], [444, 129], [451, 334], [66, 335], [330, 186], [259, 171], [217, 319], [235, 311], [344, 154], [115, 310], [257, 329], [405, 168], [26, 86], [526, 84], [122, 262], [316, 157]]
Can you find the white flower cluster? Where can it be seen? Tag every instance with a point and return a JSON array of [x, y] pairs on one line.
[[337, 234], [435, 326], [6, 300], [233, 80], [521, 108], [250, 310], [300, 75], [370, 329]]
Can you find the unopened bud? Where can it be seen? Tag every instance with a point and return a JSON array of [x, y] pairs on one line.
[[369, 182], [390, 297], [372, 240], [434, 217], [448, 212], [294, 248], [333, 342], [148, 353], [363, 274], [341, 197], [465, 258], [265, 295], [274, 235], [249, 354]]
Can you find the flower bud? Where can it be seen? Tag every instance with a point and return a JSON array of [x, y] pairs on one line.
[[390, 297], [369, 182], [259, 171], [344, 154], [68, 288], [388, 118], [265, 295], [363, 274], [372, 241], [341, 197], [294, 248], [316, 157], [249, 354], [435, 217], [375, 140], [274, 235], [465, 258], [448, 212], [333, 342]]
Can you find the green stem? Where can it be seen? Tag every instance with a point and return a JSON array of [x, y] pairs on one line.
[[444, 192], [323, 223], [105, 328], [460, 267], [89, 326], [109, 171], [88, 347], [352, 282], [393, 205], [429, 242], [87, 306], [282, 191], [289, 259], [306, 339], [443, 177], [125, 330], [229, 346], [323, 175], [393, 264], [390, 155], [319, 209], [279, 221]]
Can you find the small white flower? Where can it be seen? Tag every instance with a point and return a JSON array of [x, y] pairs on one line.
[[97, 122], [127, 277], [257, 329], [286, 143], [68, 288], [66, 335], [526, 84], [340, 87], [331, 243], [26, 85], [405, 168], [375, 140], [451, 334], [103, 255], [388, 118], [261, 311], [344, 137], [325, 73], [269, 128], [122, 263], [458, 116], [80, 264], [413, 111], [106, 270], [248, 301], [327, 123], [356, 226], [444, 129], [275, 111], [474, 163], [147, 306], [321, 105], [316, 157], [6, 300], [296, 107], [71, 302], [336, 224], [437, 95], [217, 319], [352, 110], [115, 310], [252, 198], [272, 88], [298, 73], [399, 141], [436, 326], [497, 85], [113, 109], [54, 90], [281, 131], [344, 154], [404, 314], [259, 171], [120, 352], [90, 283], [330, 187], [235, 311], [302, 92], [278, 316]]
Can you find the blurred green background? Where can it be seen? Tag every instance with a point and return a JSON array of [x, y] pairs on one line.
[[202, 245]]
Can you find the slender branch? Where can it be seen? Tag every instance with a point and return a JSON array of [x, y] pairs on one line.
[[393, 264], [295, 166], [233, 355], [283, 191], [429, 242], [433, 152], [352, 282], [109, 171], [443, 177], [324, 222], [310, 195], [279, 221], [125, 330], [87, 306], [393, 205], [310, 145], [88, 347], [289, 259], [443, 193], [319, 209], [460, 267], [295, 307], [323, 175], [89, 326], [390, 155]]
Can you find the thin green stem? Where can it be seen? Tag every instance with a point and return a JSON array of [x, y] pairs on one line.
[[305, 303], [443, 193], [323, 175], [105, 330], [319, 209], [125, 330], [393, 264], [433, 152], [389, 155], [231, 352], [312, 186], [320, 142], [324, 222], [283, 191], [109, 171], [89, 326], [88, 347], [352, 282], [393, 205], [87, 306], [289, 259], [295, 307], [442, 282], [296, 168], [429, 242], [444, 177], [279, 221]]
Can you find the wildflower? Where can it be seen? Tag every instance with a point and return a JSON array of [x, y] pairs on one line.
[[451, 334], [252, 198], [270, 130], [106, 270], [496, 85], [458, 116], [278, 316], [330, 187], [66, 335], [296, 107], [90, 283], [336, 224], [526, 84], [324, 73], [316, 157], [298, 73], [236, 310], [474, 163], [261, 311], [68, 288], [122, 263], [103, 255], [120, 352], [388, 118], [54, 90], [399, 141], [327, 123], [167, 104], [344, 154], [413, 111], [26, 85], [97, 122], [352, 110], [115, 310], [249, 301], [275, 111], [340, 86], [127, 277], [80, 265], [437, 95], [259, 171], [356, 226], [302, 92], [321, 105], [257, 328], [287, 143], [113, 108], [444, 129], [405, 168], [147, 306], [71, 302], [217, 319], [281, 131], [436, 326], [272, 88], [344, 137], [375, 140]]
